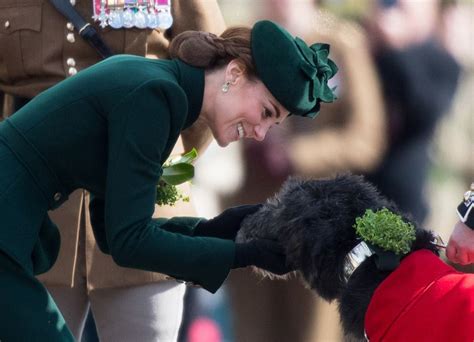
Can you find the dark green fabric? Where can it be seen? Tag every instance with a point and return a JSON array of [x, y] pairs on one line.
[[109, 129], [28, 313], [23, 216], [295, 74]]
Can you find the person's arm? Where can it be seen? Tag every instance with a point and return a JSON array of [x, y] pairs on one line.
[[461, 242], [143, 125]]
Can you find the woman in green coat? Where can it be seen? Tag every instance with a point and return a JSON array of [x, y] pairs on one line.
[[127, 113]]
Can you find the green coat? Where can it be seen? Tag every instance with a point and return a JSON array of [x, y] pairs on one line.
[[108, 129]]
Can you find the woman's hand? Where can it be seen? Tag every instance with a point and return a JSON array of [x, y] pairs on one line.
[[460, 248], [227, 224], [268, 255]]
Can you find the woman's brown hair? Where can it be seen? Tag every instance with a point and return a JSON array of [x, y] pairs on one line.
[[206, 50]]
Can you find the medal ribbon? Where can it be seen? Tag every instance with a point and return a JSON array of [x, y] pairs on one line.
[[129, 13]]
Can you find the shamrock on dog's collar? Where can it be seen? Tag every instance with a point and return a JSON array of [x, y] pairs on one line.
[[382, 233], [385, 230]]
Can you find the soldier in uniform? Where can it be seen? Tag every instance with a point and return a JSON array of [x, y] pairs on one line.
[[39, 48], [460, 248]]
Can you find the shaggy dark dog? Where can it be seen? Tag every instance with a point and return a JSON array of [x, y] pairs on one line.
[[313, 220]]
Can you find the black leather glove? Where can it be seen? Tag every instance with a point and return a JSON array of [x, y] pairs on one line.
[[227, 224], [265, 254]]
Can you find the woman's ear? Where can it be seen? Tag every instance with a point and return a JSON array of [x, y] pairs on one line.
[[234, 72]]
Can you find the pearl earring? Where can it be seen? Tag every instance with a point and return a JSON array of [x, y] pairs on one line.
[[225, 87]]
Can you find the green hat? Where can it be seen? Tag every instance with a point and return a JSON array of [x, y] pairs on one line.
[[296, 74]]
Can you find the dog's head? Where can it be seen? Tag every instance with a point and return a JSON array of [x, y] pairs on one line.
[[313, 220]]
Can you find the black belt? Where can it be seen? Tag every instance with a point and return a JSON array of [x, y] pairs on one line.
[[35, 163], [86, 30]]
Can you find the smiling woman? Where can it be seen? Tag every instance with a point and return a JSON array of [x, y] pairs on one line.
[[117, 122], [243, 109], [248, 86], [236, 103]]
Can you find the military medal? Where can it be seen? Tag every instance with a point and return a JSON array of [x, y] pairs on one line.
[[115, 15], [133, 13], [141, 17], [152, 20], [129, 14], [165, 20], [100, 13], [116, 19]]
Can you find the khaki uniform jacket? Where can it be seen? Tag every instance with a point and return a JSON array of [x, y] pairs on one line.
[[39, 49]]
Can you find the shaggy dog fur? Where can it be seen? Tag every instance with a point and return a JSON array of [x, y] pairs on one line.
[[313, 220]]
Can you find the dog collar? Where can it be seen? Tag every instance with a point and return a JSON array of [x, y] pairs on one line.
[[355, 257], [362, 251]]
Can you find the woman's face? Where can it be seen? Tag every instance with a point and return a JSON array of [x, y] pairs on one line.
[[246, 110]]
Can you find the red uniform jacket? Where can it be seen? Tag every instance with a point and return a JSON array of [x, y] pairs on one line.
[[422, 300]]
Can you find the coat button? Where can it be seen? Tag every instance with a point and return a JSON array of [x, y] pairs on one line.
[[70, 38], [73, 2], [72, 71], [57, 196], [71, 62], [70, 26], [7, 24]]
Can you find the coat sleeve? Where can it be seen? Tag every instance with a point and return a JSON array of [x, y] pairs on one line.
[[142, 126], [182, 225]]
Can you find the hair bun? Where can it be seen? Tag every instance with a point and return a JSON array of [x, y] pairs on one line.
[[196, 48]]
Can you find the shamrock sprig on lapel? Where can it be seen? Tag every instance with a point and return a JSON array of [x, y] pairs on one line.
[[175, 171]]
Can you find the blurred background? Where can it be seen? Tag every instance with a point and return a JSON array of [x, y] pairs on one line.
[[404, 119]]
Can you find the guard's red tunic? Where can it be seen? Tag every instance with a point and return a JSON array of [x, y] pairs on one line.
[[422, 300]]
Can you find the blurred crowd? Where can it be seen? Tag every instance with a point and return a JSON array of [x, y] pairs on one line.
[[403, 118]]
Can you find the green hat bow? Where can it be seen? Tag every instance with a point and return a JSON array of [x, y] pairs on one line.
[[296, 74], [317, 66]]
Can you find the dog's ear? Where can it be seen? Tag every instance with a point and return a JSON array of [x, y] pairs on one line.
[[324, 269]]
